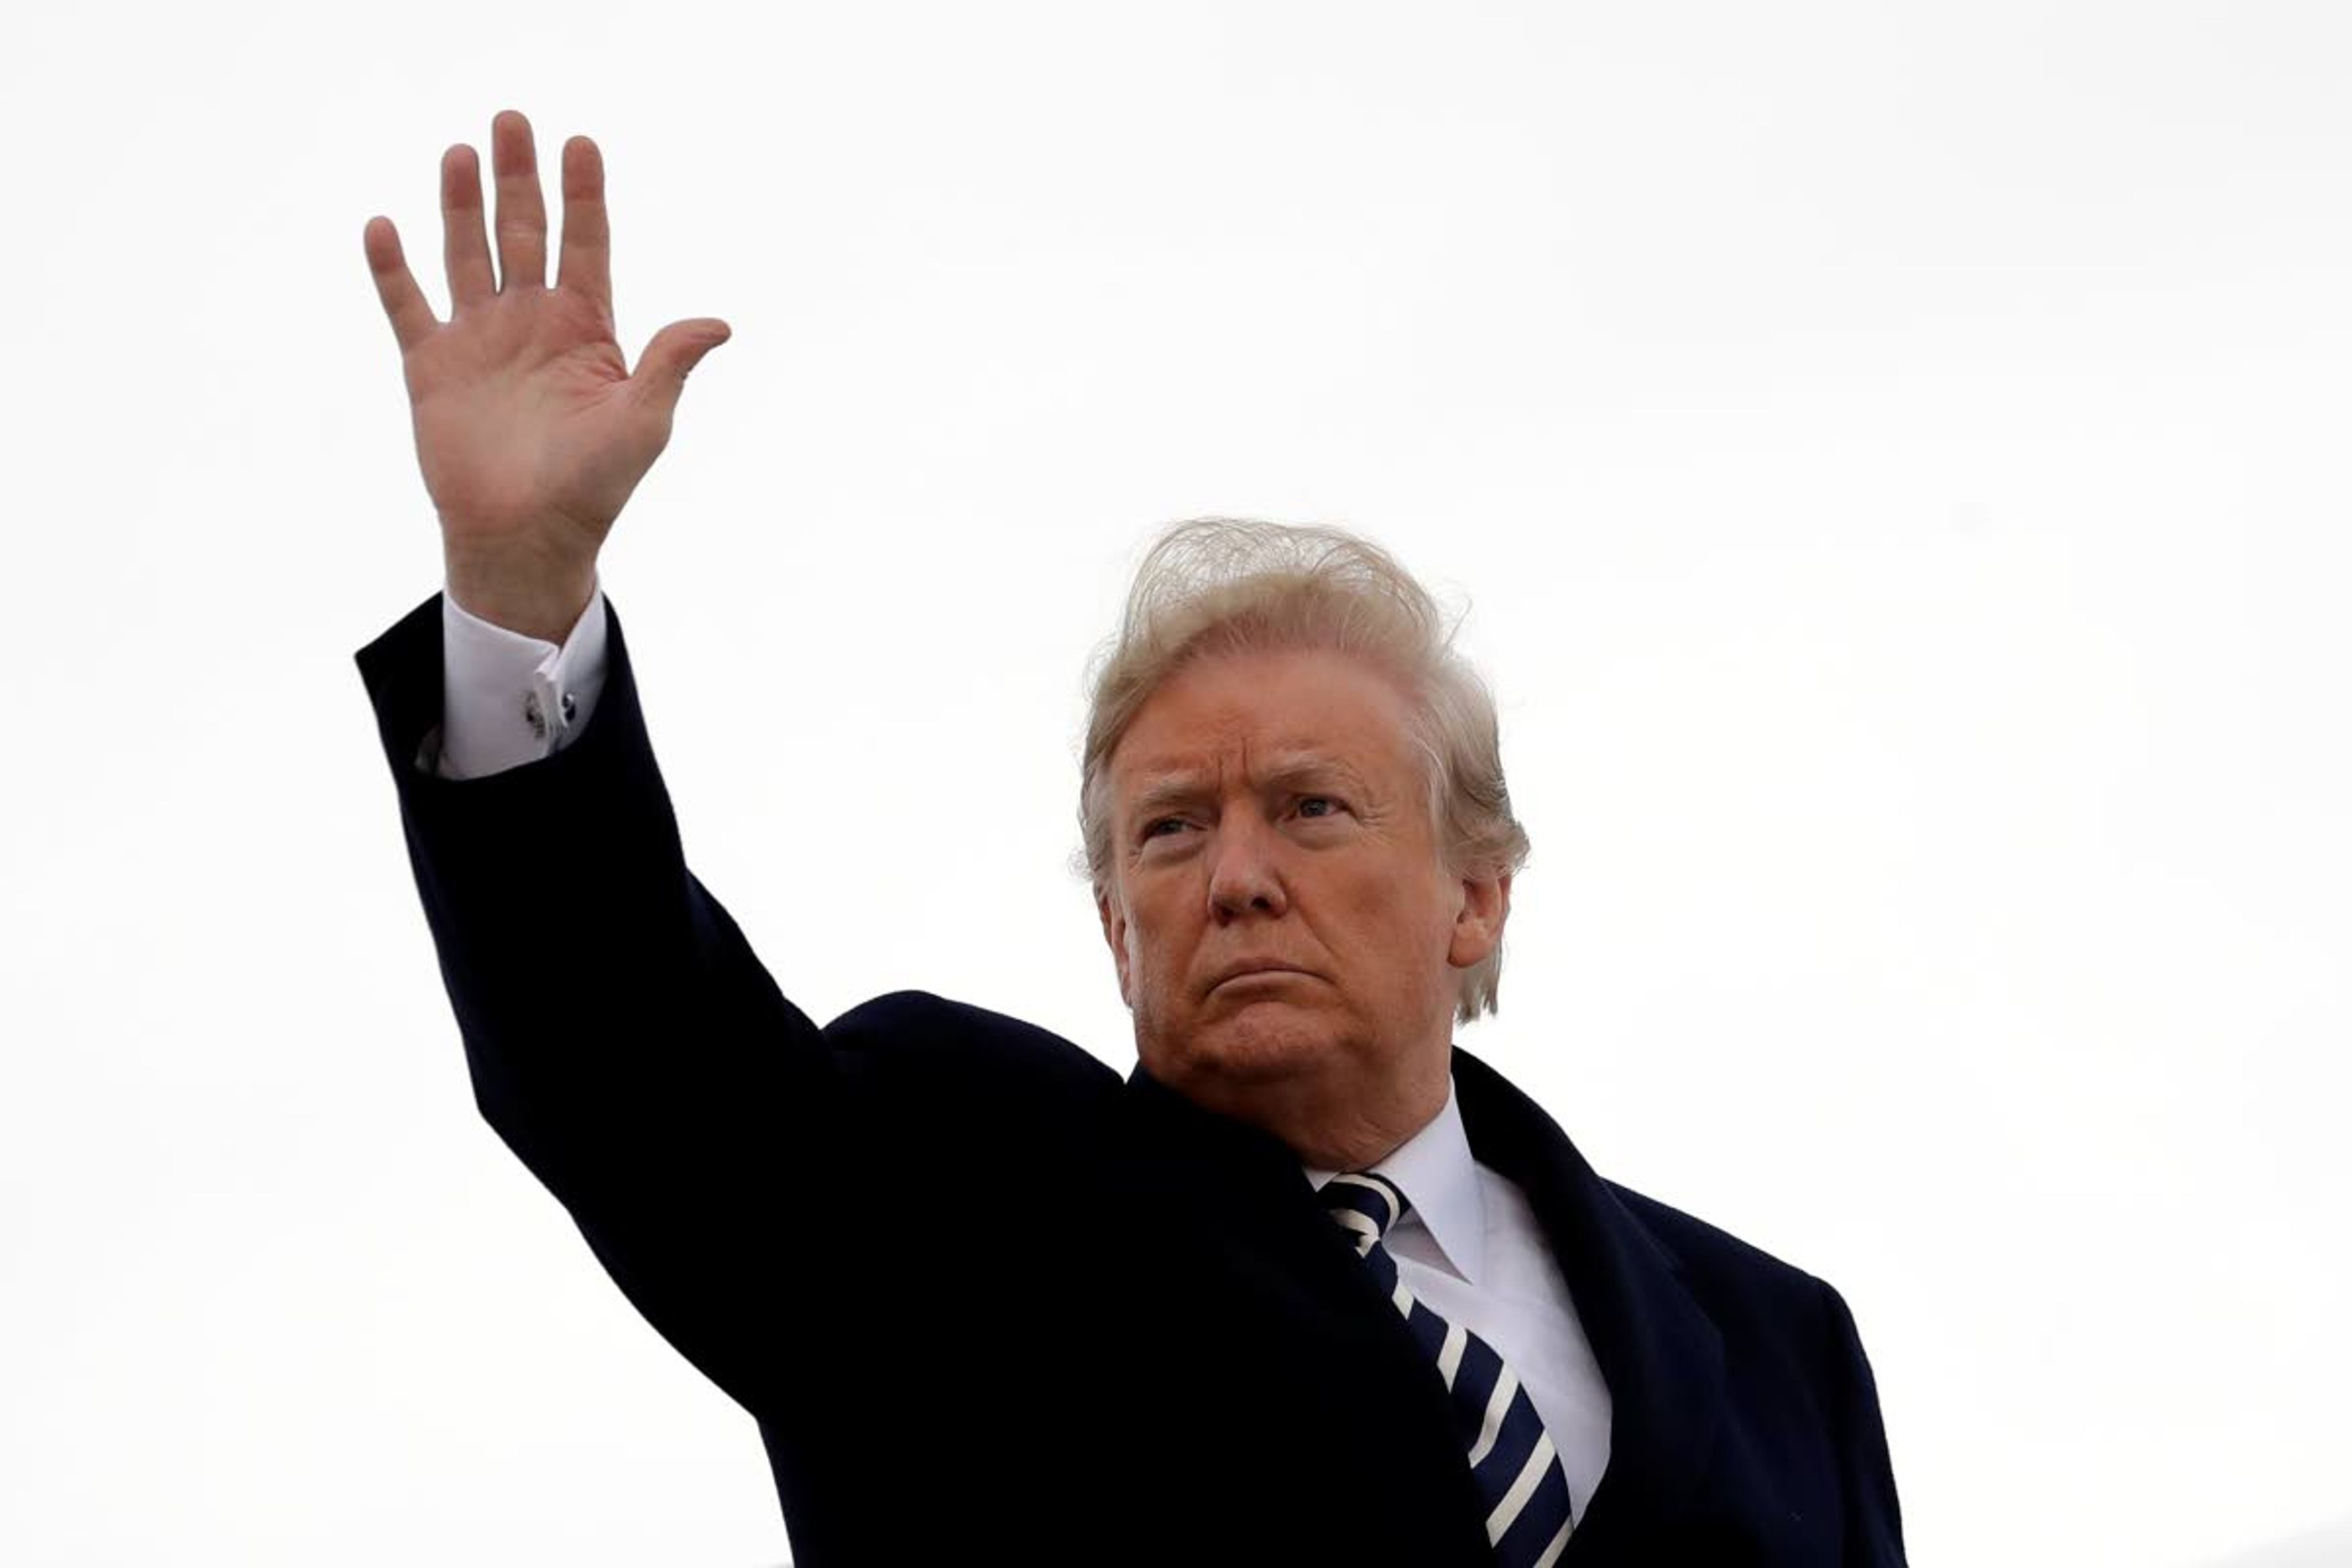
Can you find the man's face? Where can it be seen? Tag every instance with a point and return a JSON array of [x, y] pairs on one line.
[[1270, 812]]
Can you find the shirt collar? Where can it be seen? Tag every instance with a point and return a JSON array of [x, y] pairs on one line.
[[1440, 1179]]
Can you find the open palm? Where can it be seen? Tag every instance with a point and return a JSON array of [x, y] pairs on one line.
[[531, 430]]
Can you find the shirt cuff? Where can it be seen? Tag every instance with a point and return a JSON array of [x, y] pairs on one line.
[[509, 698]]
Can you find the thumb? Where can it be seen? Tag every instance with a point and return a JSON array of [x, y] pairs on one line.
[[676, 350]]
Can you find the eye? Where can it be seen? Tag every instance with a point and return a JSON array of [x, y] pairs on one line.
[[1151, 830], [1322, 800]]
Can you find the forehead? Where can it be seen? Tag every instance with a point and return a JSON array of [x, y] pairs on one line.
[[1284, 709]]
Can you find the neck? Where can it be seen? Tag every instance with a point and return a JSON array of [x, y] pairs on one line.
[[1353, 1133]]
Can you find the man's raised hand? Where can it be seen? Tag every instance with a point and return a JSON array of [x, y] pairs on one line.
[[531, 430]]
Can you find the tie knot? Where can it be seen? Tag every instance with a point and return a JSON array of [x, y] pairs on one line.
[[1364, 1203]]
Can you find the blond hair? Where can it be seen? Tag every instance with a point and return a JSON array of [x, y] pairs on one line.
[[1214, 586]]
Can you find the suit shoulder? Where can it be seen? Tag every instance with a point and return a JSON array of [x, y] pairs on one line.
[[956, 1042], [1719, 1264]]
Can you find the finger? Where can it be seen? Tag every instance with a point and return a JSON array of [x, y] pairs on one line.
[[412, 318], [464, 249], [677, 349], [586, 263], [523, 211]]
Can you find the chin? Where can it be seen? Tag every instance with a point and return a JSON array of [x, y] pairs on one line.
[[1263, 1043]]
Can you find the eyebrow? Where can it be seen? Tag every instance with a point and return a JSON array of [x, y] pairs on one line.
[[1163, 790]]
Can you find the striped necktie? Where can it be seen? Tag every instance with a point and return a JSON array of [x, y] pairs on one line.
[[1511, 1457]]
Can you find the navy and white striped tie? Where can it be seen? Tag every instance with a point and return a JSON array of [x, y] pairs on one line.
[[1511, 1457]]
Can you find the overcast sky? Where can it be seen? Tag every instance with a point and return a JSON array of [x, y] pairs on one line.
[[1892, 461]]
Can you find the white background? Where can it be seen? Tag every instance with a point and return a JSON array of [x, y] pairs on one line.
[[1893, 458]]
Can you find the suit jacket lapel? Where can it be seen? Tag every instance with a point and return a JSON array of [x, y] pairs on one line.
[[1659, 1353], [1246, 1192]]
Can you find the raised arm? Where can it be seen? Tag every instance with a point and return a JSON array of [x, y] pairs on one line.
[[620, 1034], [745, 1176]]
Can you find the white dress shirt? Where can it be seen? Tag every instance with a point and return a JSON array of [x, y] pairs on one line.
[[1469, 1245]]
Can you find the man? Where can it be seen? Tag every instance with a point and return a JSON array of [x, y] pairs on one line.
[[1311, 1285]]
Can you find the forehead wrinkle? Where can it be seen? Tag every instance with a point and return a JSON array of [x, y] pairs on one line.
[[1173, 779], [1301, 763]]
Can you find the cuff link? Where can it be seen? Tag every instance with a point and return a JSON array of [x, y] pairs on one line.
[[536, 716]]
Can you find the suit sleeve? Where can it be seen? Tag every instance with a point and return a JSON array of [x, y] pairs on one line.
[[1874, 1516], [621, 1036]]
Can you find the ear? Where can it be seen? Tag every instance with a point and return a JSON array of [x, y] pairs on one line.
[[1114, 927], [1478, 924]]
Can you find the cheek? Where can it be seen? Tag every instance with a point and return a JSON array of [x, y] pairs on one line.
[[1160, 965], [1403, 920], [1145, 946]]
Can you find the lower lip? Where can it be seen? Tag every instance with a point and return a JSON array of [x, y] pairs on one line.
[[1260, 974]]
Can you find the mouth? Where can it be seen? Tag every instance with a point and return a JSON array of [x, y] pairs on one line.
[[1260, 971]]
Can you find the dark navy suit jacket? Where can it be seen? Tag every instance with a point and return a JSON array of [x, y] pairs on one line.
[[988, 1303]]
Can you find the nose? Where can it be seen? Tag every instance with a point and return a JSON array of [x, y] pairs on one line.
[[1243, 875]]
